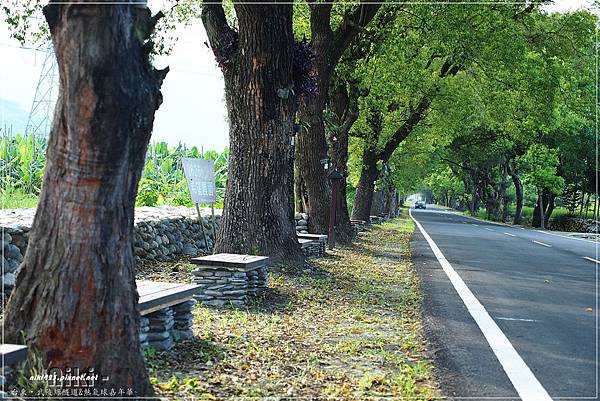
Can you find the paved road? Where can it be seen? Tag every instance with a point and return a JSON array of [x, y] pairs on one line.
[[536, 287]]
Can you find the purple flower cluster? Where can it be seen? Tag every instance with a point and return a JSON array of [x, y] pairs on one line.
[[229, 42], [305, 82]]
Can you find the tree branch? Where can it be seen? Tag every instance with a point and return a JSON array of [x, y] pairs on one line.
[[223, 39], [352, 24], [416, 115]]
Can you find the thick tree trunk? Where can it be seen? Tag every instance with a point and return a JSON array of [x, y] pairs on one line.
[[75, 300], [312, 145], [311, 149], [258, 214], [344, 103], [363, 200], [344, 232]]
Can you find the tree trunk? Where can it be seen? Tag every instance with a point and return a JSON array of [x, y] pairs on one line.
[[549, 207], [587, 205], [312, 144], [344, 232], [363, 200], [300, 191], [258, 213], [75, 300], [541, 209], [518, 219]]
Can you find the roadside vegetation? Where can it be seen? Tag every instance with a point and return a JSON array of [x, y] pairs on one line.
[[22, 162], [347, 328]]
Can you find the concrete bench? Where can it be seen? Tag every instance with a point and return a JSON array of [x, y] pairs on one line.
[[228, 279], [167, 313], [321, 240], [10, 356]]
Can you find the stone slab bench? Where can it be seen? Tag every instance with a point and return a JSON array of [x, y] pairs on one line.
[[377, 219], [311, 247], [10, 356], [167, 313], [359, 225], [228, 279]]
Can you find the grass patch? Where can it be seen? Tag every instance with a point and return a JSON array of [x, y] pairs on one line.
[[350, 331], [16, 199]]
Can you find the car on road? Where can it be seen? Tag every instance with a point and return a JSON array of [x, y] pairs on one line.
[[420, 204]]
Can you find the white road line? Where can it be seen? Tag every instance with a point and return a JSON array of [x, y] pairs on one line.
[[591, 259], [541, 243], [477, 225], [516, 319], [512, 235], [521, 377], [489, 229]]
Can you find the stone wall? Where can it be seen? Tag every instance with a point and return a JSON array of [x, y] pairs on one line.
[[161, 234], [573, 224]]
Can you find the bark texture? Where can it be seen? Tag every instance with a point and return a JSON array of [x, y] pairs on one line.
[[75, 300], [329, 46], [258, 215]]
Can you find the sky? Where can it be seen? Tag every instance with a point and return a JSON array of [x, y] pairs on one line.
[[193, 110]]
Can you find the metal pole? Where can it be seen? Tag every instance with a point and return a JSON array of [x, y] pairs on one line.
[[335, 185], [214, 224], [202, 227]]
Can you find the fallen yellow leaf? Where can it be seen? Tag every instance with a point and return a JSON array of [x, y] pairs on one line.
[[589, 310]]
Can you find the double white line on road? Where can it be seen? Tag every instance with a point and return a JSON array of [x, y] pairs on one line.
[[521, 377]]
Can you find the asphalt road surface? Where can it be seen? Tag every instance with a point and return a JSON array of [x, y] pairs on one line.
[[538, 289]]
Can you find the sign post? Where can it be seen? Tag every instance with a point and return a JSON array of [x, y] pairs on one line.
[[200, 176], [335, 178]]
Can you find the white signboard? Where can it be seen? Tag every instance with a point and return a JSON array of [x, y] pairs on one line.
[[200, 176]]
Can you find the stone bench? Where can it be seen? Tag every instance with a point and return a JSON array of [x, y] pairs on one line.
[[167, 313], [377, 219], [320, 238], [228, 279], [10, 355], [311, 247], [359, 225]]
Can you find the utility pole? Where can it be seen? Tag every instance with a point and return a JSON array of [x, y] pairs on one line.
[[46, 93]]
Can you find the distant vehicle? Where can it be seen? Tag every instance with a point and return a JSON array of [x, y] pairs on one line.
[[420, 204]]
